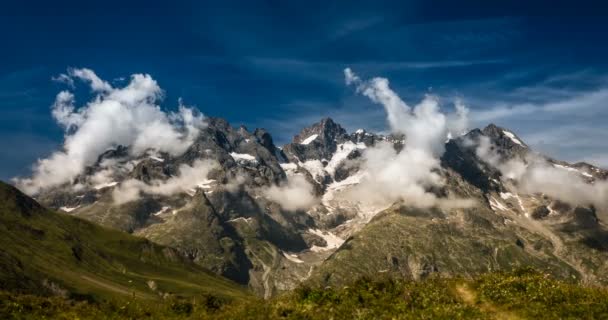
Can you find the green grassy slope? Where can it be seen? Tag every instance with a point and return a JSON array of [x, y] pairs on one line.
[[522, 294], [45, 252]]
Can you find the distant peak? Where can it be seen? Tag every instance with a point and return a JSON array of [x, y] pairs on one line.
[[327, 121], [325, 129], [491, 126], [501, 134]]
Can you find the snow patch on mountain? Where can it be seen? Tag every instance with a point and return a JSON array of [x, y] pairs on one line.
[[162, 210], [314, 167], [511, 136], [506, 195], [342, 152], [573, 170], [205, 185], [243, 157], [331, 198], [521, 206], [289, 166], [105, 185], [496, 205], [292, 257], [309, 139], [69, 209], [333, 241]]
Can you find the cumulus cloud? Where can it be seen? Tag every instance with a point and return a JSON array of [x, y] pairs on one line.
[[97, 84], [128, 116], [188, 178], [64, 78], [535, 174], [564, 185], [510, 168], [296, 194], [407, 175], [424, 126]]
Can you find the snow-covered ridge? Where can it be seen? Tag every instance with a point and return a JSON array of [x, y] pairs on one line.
[[69, 209], [511, 136], [573, 170], [105, 185], [342, 152], [309, 139], [243, 157], [162, 210]]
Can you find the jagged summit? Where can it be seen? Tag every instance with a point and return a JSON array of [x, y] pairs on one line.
[[323, 131], [503, 137], [318, 141]]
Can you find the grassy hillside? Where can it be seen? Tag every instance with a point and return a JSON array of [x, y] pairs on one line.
[[49, 253], [523, 294], [413, 243]]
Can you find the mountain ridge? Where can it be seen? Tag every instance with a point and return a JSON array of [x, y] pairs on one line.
[[254, 240]]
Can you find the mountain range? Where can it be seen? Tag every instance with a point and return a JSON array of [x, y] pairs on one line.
[[270, 217]]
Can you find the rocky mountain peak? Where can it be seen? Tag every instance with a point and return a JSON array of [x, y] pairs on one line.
[[218, 123], [264, 138], [325, 130], [503, 137], [118, 152], [318, 141]]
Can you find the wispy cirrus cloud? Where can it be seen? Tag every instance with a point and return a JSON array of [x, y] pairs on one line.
[[561, 114]]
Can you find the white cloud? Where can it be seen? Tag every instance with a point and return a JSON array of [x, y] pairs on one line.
[[63, 111], [535, 174], [296, 194], [64, 78], [128, 116], [578, 104], [189, 177], [88, 75], [390, 176], [425, 126]]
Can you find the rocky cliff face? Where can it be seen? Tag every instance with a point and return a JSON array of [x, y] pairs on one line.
[[228, 223]]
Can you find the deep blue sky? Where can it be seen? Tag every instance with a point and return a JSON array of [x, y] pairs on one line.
[[540, 67]]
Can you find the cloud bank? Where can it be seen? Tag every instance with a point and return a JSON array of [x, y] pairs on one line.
[[188, 178], [534, 174], [296, 194], [406, 175], [128, 116]]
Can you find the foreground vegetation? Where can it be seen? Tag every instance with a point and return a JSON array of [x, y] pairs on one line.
[[524, 294]]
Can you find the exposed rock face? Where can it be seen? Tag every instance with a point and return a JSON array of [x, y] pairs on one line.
[[229, 225], [317, 142]]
